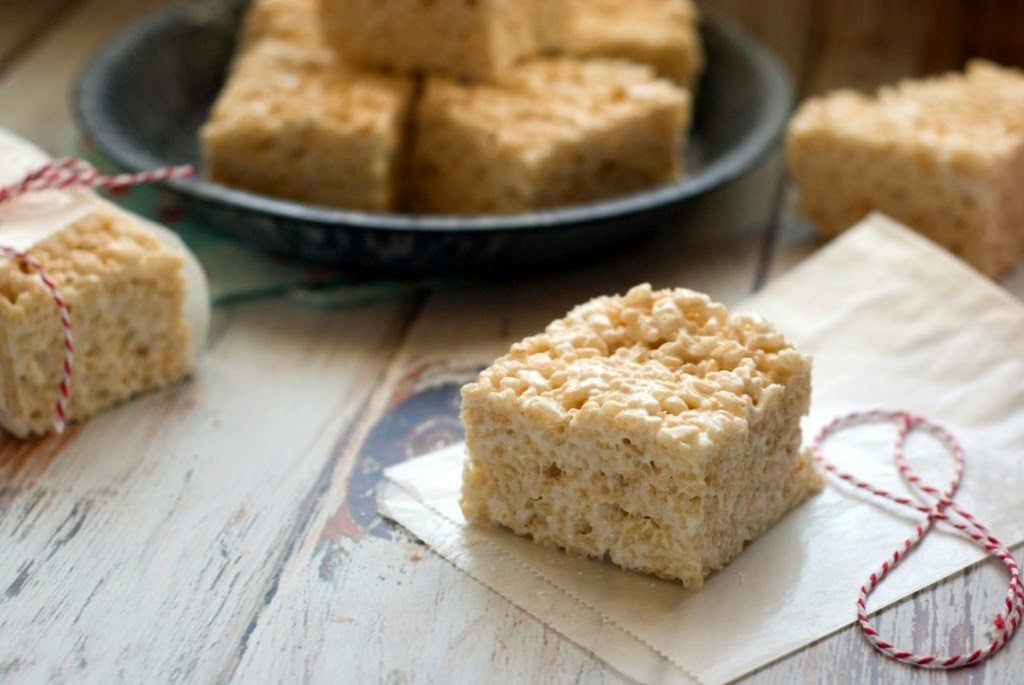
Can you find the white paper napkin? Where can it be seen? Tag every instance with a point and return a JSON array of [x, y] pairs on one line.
[[892, 321]]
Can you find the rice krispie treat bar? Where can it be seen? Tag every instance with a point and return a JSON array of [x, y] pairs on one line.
[[476, 39], [137, 298], [653, 428], [660, 33], [557, 132], [294, 122], [944, 155]]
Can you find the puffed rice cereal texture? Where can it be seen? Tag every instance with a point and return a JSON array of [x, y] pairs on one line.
[[653, 429], [943, 155]]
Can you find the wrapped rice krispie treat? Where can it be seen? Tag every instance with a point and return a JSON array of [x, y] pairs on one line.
[[136, 296], [944, 155], [653, 428]]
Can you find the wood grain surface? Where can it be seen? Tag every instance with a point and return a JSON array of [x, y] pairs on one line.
[[226, 529], [24, 24]]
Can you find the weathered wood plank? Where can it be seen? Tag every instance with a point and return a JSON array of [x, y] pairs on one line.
[[391, 611], [142, 545], [42, 77], [22, 23], [865, 44], [786, 29], [154, 560], [991, 29]]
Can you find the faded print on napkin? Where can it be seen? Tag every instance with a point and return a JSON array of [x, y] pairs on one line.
[[892, 321]]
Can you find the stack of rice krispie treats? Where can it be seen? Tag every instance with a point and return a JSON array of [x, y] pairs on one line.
[[455, 106]]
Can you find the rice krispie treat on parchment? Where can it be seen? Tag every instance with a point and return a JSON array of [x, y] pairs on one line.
[[137, 300], [660, 33], [475, 39], [944, 155], [557, 132], [652, 428], [294, 122]]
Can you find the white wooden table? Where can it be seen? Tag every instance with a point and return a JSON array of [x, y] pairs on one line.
[[226, 530]]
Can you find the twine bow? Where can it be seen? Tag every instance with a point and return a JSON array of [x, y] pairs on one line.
[[936, 505], [65, 173]]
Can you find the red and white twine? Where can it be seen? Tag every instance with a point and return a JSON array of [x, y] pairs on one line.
[[69, 171], [65, 173], [936, 505]]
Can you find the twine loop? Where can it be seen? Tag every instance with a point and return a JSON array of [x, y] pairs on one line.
[[60, 174], [937, 505]]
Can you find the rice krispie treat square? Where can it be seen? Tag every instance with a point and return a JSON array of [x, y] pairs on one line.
[[475, 39], [944, 155], [660, 33], [294, 122], [654, 429], [557, 132]]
